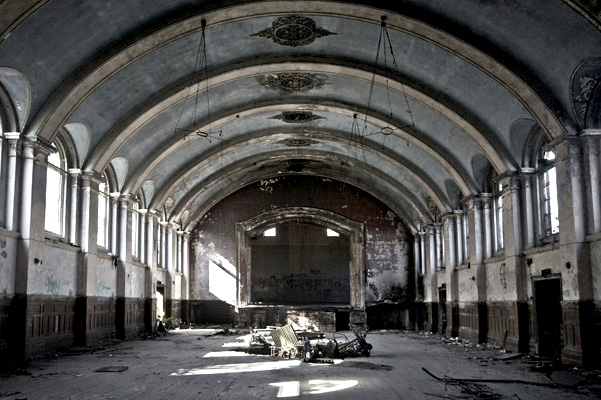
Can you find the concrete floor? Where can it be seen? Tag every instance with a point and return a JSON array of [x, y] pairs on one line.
[[189, 364]]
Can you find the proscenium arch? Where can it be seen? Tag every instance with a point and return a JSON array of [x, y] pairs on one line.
[[74, 91], [110, 144], [252, 227]]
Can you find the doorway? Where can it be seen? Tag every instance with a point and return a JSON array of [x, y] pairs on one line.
[[547, 296], [442, 304]]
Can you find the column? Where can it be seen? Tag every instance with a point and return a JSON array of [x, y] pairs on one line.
[[438, 246], [163, 244], [151, 242], [422, 246], [592, 165], [3, 171], [114, 228], [74, 174], [575, 263], [185, 265], [12, 185], [460, 252], [475, 229], [572, 202], [448, 223], [417, 257], [170, 264], [488, 228], [528, 181], [142, 236]]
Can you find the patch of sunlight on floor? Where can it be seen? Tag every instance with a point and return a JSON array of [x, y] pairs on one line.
[[237, 368], [316, 386], [222, 354]]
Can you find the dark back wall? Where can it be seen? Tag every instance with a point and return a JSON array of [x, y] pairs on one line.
[[388, 244]]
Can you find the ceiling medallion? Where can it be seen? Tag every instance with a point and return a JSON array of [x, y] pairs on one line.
[[293, 30], [293, 81], [298, 142], [297, 117]]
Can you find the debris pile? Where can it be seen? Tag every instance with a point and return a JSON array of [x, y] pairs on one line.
[[311, 346]]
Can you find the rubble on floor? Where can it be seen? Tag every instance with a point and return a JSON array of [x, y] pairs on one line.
[[311, 346]]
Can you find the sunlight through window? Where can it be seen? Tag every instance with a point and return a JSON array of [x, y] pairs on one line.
[[270, 232], [331, 233]]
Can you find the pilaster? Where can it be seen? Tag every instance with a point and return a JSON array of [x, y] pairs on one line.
[[592, 173], [528, 188], [573, 219], [12, 180], [74, 175]]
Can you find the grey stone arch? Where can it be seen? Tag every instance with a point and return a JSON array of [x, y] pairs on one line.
[[252, 227]]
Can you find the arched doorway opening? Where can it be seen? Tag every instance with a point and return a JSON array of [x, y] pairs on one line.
[[275, 273]]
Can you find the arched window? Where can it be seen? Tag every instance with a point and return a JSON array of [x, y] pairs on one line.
[[56, 192], [548, 195], [103, 213]]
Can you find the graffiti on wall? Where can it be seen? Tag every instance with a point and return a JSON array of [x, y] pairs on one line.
[[52, 286]]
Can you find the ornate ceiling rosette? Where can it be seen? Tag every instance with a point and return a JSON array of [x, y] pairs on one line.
[[298, 142], [297, 117], [293, 81], [293, 30]]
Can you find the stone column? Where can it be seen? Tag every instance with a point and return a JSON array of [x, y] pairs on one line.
[[489, 235], [577, 305], [163, 244], [417, 256], [475, 229], [88, 260], [476, 262], [114, 225], [460, 249], [29, 221], [529, 208], [438, 246], [142, 235], [123, 329], [74, 174], [151, 261], [185, 265], [592, 173], [12, 181]]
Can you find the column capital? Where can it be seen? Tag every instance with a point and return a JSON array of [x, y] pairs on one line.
[[74, 171], [115, 195], [91, 176]]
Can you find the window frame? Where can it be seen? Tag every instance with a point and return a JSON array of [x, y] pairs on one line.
[[545, 203], [62, 172]]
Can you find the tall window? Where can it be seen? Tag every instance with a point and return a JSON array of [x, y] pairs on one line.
[[135, 229], [103, 213], [550, 209], [56, 193], [498, 217]]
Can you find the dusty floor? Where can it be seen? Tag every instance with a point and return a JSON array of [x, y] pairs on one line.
[[189, 364]]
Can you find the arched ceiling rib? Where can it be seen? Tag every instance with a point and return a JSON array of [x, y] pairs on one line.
[[470, 78]]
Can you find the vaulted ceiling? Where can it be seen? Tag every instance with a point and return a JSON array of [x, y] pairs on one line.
[[298, 87]]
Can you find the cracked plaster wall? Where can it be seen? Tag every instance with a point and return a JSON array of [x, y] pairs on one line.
[[388, 246], [7, 265]]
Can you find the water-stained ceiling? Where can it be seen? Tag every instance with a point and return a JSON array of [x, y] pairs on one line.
[[418, 110]]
